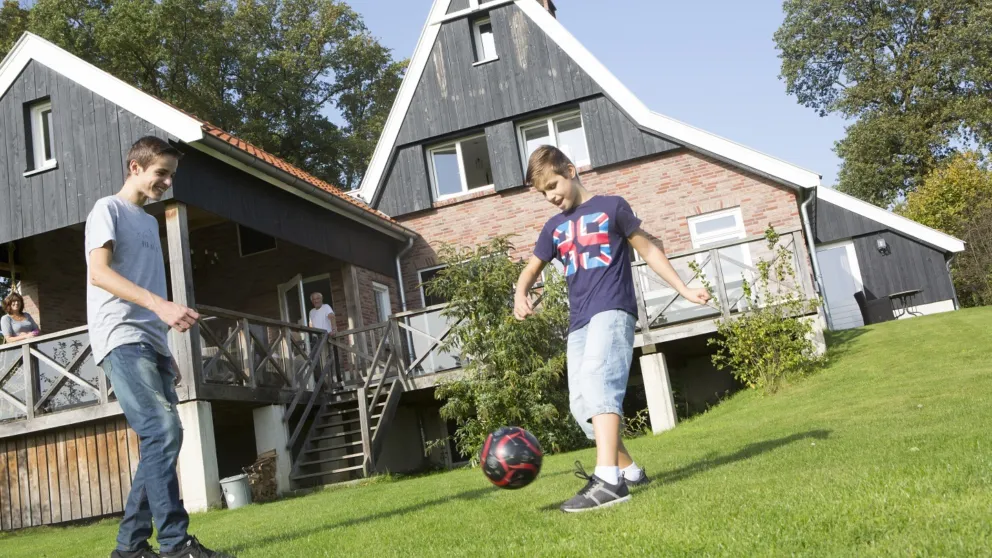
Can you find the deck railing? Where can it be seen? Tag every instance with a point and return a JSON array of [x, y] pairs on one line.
[[50, 373]]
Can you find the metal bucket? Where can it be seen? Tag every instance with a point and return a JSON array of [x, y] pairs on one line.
[[237, 491]]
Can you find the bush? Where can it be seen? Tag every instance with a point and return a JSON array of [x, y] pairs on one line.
[[514, 372], [769, 343]]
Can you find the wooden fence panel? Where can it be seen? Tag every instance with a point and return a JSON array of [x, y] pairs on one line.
[[55, 495], [4, 489]]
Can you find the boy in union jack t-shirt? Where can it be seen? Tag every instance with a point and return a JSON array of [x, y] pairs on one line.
[[590, 237]]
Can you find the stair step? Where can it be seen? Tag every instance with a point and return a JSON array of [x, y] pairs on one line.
[[331, 459], [331, 448], [338, 412], [325, 473], [340, 435], [341, 423]]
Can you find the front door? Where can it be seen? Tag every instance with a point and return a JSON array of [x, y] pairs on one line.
[[292, 306], [841, 279]]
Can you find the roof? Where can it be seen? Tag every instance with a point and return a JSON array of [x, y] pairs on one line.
[[178, 123], [669, 128], [891, 220]]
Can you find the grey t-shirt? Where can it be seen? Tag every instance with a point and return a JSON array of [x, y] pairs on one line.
[[137, 256], [12, 327]]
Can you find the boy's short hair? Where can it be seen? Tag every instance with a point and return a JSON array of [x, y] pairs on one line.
[[546, 160], [146, 149]]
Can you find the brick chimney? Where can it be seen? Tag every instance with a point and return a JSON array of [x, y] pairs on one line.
[[548, 5]]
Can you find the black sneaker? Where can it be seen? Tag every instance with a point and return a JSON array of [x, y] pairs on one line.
[[596, 494], [639, 482], [193, 549], [146, 552]]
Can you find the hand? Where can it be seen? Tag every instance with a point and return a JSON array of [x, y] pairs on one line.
[[699, 296], [175, 371], [177, 316], [522, 307], [34, 333]]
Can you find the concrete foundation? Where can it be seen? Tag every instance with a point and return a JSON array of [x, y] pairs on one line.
[[198, 476], [658, 390], [271, 433]]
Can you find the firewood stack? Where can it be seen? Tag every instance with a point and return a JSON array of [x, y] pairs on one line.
[[262, 477]]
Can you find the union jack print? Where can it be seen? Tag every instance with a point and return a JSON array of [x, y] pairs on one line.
[[564, 239]]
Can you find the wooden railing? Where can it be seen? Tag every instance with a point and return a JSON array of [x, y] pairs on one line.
[[50, 373]]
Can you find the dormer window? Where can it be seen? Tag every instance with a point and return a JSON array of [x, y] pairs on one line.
[[485, 41], [42, 142]]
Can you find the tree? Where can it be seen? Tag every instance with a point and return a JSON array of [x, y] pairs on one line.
[[13, 22], [271, 71], [915, 75], [957, 199], [513, 371]]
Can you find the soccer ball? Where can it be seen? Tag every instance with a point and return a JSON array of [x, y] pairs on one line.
[[511, 457]]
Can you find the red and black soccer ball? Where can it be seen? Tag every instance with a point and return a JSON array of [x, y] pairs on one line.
[[511, 457]]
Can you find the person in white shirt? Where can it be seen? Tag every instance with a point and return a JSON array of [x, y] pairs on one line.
[[322, 315]]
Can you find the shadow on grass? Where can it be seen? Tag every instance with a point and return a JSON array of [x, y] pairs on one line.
[[840, 342], [742, 454], [263, 542]]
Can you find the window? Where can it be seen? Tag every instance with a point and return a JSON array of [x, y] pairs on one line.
[[383, 307], [460, 166], [564, 131], [252, 242], [735, 261], [42, 144], [425, 276], [485, 41]]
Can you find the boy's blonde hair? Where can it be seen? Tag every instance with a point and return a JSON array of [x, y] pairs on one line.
[[544, 161]]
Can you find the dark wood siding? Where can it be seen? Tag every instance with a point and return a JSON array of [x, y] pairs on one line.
[[457, 6], [613, 137], [407, 188], [909, 265], [207, 183], [91, 137], [532, 73], [504, 156]]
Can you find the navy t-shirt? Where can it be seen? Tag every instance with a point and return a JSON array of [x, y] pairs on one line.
[[591, 243]]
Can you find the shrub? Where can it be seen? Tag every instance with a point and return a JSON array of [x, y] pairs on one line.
[[769, 343], [513, 371]]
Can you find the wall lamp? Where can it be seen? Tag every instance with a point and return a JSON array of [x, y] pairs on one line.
[[882, 245]]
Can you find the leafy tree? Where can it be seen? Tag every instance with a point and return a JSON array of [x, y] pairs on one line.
[[915, 75], [957, 199], [269, 71], [513, 371], [13, 22]]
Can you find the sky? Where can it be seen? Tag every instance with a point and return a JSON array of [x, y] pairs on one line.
[[712, 65]]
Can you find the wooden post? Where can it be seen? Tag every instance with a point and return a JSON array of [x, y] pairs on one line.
[[186, 345], [247, 352], [353, 306], [721, 283], [366, 426], [30, 370]]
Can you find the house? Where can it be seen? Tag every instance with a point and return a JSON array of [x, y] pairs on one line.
[[247, 238], [489, 81]]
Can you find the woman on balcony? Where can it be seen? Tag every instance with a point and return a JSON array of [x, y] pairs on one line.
[[17, 324]]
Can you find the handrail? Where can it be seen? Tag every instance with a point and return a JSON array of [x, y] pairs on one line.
[[43, 338], [720, 246], [213, 311]]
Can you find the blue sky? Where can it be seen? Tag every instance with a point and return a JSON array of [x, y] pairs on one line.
[[709, 64]]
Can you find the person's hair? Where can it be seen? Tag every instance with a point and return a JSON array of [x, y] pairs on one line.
[[315, 293], [546, 160], [9, 301], [145, 150]]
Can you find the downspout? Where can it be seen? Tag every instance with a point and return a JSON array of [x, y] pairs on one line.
[[817, 278]]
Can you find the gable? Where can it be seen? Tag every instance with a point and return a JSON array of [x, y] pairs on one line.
[[91, 138], [454, 93]]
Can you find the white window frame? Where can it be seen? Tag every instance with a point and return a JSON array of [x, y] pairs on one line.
[[473, 6], [551, 123], [275, 242], [461, 167], [38, 136], [480, 44], [739, 233], [380, 289]]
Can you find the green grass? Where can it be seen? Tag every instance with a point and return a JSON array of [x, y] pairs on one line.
[[886, 452]]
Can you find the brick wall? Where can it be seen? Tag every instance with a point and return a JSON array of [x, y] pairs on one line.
[[53, 279], [664, 191]]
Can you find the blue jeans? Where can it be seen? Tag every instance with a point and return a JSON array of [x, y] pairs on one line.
[[143, 382], [599, 357]]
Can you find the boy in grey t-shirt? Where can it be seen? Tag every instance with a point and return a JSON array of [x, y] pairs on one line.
[[129, 318]]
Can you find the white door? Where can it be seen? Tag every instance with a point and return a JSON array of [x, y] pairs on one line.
[[292, 306], [841, 279]]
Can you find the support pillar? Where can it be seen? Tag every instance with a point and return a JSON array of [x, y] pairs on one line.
[[271, 433], [658, 389], [198, 475], [185, 347]]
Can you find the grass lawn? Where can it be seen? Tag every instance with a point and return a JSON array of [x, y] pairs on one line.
[[886, 452]]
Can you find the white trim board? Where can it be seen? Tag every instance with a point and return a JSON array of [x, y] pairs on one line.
[[32, 47], [672, 129], [891, 220]]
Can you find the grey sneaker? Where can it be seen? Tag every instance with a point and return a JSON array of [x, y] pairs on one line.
[[140, 553], [639, 482], [596, 494], [193, 549]]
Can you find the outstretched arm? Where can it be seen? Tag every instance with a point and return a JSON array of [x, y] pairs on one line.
[[522, 306], [658, 262]]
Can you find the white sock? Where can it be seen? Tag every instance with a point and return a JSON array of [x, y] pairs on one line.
[[632, 472], [608, 474]]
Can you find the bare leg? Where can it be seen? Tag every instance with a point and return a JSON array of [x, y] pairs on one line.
[[606, 428], [624, 459]]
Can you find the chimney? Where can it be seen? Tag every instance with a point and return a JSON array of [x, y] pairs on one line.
[[550, 6]]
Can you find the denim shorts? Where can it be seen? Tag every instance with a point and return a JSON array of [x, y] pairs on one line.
[[599, 357]]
